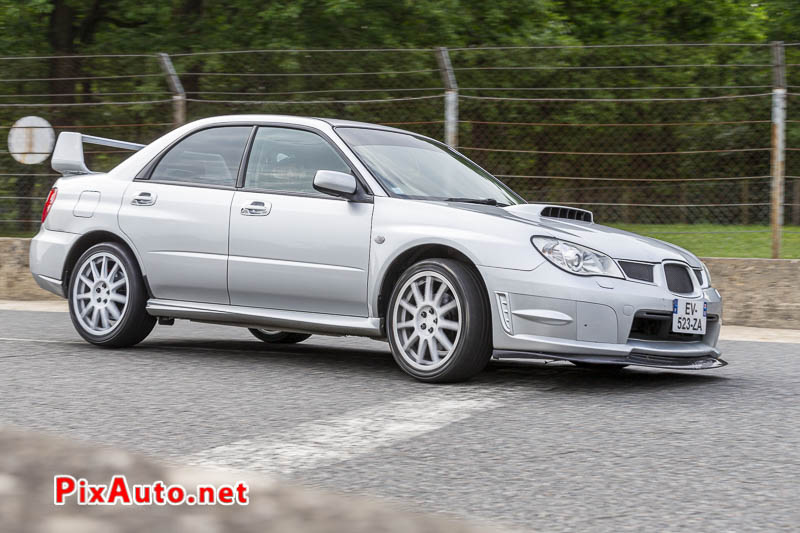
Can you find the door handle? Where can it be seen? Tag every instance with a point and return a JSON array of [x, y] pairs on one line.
[[256, 209], [144, 198]]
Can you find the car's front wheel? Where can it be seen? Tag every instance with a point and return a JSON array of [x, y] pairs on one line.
[[278, 337], [107, 297], [438, 321]]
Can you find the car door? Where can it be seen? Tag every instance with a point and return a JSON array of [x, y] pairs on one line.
[[292, 247], [177, 214]]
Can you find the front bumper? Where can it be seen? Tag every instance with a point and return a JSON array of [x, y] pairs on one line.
[[548, 313]]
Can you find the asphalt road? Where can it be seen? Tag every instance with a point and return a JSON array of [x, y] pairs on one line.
[[543, 446]]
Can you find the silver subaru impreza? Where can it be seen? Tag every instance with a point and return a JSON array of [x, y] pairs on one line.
[[295, 226]]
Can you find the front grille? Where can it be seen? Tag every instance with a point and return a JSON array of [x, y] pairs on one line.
[[679, 280], [640, 271]]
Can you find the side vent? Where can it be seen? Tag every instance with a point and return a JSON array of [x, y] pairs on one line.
[[567, 213], [505, 311]]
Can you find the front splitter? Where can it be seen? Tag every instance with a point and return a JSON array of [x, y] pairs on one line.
[[637, 359]]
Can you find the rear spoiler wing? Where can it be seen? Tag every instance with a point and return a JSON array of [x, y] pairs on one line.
[[68, 153]]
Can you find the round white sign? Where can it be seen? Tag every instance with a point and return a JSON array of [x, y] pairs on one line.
[[31, 140]]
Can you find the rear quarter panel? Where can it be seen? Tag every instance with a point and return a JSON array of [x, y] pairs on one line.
[[99, 215]]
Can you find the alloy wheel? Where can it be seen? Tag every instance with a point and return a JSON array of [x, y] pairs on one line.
[[427, 321], [100, 293]]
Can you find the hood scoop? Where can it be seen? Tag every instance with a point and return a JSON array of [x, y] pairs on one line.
[[552, 211], [567, 213]]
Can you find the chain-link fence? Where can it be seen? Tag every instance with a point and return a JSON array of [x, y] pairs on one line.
[[673, 141]]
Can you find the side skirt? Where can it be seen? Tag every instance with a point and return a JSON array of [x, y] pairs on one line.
[[253, 317]]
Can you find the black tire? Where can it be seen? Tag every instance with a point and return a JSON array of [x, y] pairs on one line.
[[473, 348], [135, 324], [279, 337], [599, 367]]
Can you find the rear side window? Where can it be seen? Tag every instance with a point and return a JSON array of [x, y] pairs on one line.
[[208, 157], [286, 160]]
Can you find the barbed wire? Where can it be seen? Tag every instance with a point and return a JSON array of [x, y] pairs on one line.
[[401, 50], [83, 78], [91, 94], [77, 56], [23, 197], [321, 91], [618, 67], [307, 74], [616, 124], [661, 205], [658, 180], [301, 50], [286, 102], [620, 100], [88, 104], [679, 152], [88, 126], [694, 87], [608, 46]]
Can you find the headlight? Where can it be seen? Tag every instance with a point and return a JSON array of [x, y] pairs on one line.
[[576, 259]]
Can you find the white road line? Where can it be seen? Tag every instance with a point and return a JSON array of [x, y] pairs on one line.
[[45, 306], [351, 434], [15, 339]]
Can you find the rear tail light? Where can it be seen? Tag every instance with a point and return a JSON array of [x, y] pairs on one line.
[[51, 198]]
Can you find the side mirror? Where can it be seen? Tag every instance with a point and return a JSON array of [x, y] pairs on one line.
[[335, 183]]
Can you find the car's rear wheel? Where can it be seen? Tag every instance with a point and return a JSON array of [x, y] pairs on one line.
[[439, 323], [107, 297], [278, 337]]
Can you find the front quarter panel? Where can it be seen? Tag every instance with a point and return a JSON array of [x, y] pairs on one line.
[[400, 225]]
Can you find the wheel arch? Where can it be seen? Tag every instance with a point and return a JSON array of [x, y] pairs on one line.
[[90, 239], [413, 255]]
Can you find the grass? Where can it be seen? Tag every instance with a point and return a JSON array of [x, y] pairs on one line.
[[704, 240], [714, 240]]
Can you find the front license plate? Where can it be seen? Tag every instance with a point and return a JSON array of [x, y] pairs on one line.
[[689, 316]]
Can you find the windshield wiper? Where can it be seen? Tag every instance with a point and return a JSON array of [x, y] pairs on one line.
[[483, 201]]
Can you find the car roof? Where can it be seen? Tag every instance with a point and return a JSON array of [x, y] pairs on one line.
[[298, 119], [336, 122]]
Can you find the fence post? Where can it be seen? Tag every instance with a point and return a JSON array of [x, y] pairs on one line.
[[778, 160], [175, 85], [450, 97]]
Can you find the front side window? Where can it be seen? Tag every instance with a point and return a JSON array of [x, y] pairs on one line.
[[286, 160], [414, 167], [208, 157]]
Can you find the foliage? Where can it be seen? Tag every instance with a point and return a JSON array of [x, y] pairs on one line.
[[116, 26]]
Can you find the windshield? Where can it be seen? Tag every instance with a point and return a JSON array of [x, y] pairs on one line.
[[412, 167]]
